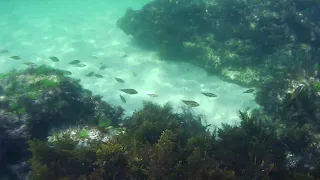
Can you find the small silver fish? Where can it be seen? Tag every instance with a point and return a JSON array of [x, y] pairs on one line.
[[75, 62], [4, 51], [98, 75], [249, 91], [90, 74], [15, 57], [209, 94], [30, 64], [190, 103], [129, 91], [119, 80], [123, 99], [67, 72], [134, 74], [103, 67], [153, 95], [124, 56], [54, 59], [80, 65], [94, 57]]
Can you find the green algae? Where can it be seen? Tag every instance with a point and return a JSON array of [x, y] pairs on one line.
[[317, 86], [47, 83], [84, 134]]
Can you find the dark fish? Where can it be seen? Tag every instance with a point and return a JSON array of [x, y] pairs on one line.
[[123, 99], [249, 91], [129, 91], [15, 57], [119, 80], [54, 59], [209, 94], [4, 51], [103, 67], [98, 75], [90, 74], [30, 64], [94, 57], [80, 65], [134, 74], [67, 72], [153, 95], [75, 62], [124, 56], [190, 103]]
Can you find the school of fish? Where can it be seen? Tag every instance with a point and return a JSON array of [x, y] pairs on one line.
[[78, 63]]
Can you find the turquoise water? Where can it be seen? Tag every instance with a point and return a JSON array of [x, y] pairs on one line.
[[36, 30]]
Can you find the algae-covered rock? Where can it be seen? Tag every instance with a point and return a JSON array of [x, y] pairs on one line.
[[223, 34], [244, 77], [86, 136], [35, 100], [45, 98]]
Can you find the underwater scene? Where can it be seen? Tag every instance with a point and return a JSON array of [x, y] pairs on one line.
[[159, 90]]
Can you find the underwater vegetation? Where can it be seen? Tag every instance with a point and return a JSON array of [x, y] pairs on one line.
[[35, 100], [247, 42], [160, 144], [48, 139], [271, 45], [51, 128]]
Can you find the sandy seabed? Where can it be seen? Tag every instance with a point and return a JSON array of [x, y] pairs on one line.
[[36, 30]]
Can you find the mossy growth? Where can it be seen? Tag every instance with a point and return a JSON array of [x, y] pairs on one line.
[[160, 144], [104, 123], [28, 82], [8, 74], [84, 134], [17, 108], [47, 83], [316, 86]]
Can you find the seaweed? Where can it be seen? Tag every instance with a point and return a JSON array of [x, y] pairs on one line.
[[251, 150]]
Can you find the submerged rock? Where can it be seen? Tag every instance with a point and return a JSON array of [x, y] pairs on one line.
[[36, 100], [257, 40], [86, 136]]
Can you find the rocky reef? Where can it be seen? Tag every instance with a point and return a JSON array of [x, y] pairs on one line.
[[52, 128], [35, 101], [272, 45], [247, 42]]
